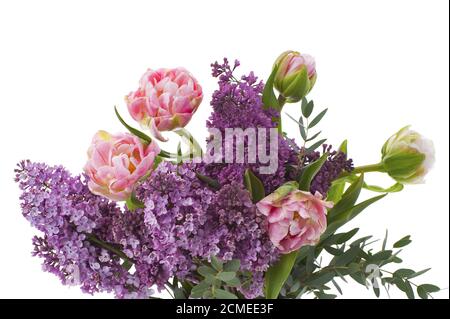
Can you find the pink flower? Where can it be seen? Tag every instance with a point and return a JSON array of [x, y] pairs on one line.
[[166, 99], [295, 218], [295, 76], [116, 162]]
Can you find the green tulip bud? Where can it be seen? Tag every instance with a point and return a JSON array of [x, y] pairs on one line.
[[407, 156], [295, 76]]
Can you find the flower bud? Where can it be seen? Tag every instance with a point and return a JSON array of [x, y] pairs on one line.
[[295, 76], [407, 156]]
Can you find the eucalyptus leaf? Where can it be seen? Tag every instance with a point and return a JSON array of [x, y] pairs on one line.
[[307, 108], [317, 119], [226, 275], [232, 265], [316, 145], [403, 242]]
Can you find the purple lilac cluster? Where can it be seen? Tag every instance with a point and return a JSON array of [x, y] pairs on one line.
[[83, 234], [68, 215], [336, 163], [186, 221], [238, 104]]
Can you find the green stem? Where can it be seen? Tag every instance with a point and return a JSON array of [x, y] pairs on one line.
[[100, 243], [281, 102], [369, 168]]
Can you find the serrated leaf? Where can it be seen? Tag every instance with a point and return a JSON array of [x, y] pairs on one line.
[[223, 294], [316, 145], [254, 185], [268, 97], [317, 119], [309, 172], [232, 265], [307, 108]]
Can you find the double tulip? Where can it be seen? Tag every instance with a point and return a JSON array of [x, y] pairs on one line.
[[165, 100], [407, 156], [295, 75], [295, 218], [116, 162]]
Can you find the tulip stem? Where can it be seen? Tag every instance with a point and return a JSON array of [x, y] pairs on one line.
[[281, 102], [369, 168]]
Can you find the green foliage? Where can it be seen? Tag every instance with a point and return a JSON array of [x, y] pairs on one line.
[[218, 281], [254, 186], [356, 260]]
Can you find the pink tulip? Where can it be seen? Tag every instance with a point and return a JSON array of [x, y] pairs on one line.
[[295, 219], [116, 162], [166, 99]]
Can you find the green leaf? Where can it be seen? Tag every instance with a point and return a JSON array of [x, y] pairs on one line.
[[132, 130], [127, 264], [232, 265], [422, 292], [430, 288], [307, 107], [223, 294], [310, 171], [418, 273], [359, 278], [205, 271], [200, 289], [322, 295], [254, 185], [383, 247], [320, 278], [347, 257], [310, 260], [268, 97], [404, 286], [309, 139], [335, 284], [133, 202], [302, 129], [317, 119], [380, 256], [397, 187], [316, 145], [235, 282], [343, 147], [277, 274], [212, 183], [349, 215], [226, 275], [403, 273], [403, 242], [335, 192], [348, 199], [216, 263]]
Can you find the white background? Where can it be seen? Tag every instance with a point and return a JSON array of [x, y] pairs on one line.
[[381, 65]]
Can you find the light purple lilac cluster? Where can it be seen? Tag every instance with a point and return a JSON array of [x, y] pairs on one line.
[[238, 104], [188, 221]]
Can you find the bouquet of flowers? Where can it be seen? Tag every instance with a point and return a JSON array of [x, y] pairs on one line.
[[253, 215]]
